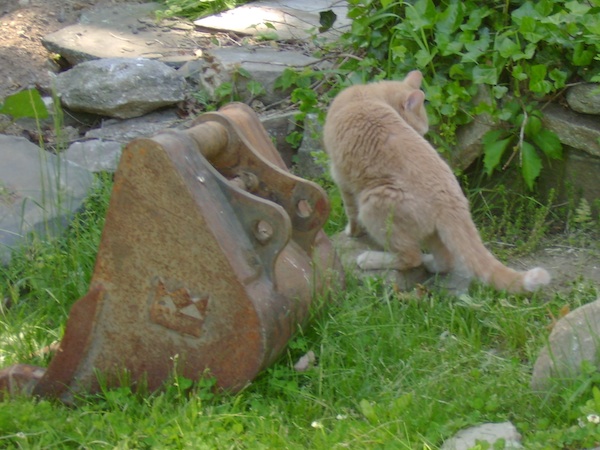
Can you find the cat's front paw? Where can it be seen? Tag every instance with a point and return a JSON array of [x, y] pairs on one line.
[[373, 260]]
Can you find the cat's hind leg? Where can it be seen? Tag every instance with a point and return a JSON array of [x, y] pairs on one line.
[[354, 228], [439, 260], [381, 213]]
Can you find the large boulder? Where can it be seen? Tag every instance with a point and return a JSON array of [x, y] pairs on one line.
[[584, 98], [491, 433], [573, 340], [39, 192], [121, 88]]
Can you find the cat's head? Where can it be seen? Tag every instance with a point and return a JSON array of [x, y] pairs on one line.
[[409, 100]]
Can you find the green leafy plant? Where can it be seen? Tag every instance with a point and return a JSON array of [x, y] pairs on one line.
[[241, 87], [26, 103], [505, 59], [197, 8]]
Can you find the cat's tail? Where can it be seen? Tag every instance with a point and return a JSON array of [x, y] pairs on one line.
[[465, 243]]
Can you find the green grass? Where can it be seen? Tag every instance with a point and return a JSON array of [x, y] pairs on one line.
[[394, 370]]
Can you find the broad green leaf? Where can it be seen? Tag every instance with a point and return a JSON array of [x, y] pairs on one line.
[[424, 57], [531, 164], [559, 77], [499, 91], [577, 7], [530, 30], [447, 44], [518, 73], [533, 126], [527, 10], [476, 17], [451, 18], [27, 103], [368, 411], [421, 14], [493, 149], [548, 142], [581, 55], [592, 23], [485, 75], [506, 46], [326, 20], [537, 79], [477, 48]]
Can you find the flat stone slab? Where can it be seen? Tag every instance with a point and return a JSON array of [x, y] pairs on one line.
[[95, 155], [126, 31], [580, 131], [39, 192], [487, 432], [124, 131], [279, 19]]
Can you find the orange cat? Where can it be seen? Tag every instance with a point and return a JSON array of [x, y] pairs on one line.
[[398, 189]]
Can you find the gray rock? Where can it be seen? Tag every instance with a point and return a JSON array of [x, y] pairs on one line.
[[95, 155], [280, 20], [126, 30], [264, 64], [584, 98], [576, 130], [573, 339], [39, 192], [279, 126], [124, 131], [488, 432], [469, 137], [121, 88], [306, 165]]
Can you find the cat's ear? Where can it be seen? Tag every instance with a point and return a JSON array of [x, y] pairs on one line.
[[414, 100], [414, 79]]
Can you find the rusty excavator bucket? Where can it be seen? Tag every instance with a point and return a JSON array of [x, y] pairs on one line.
[[211, 255]]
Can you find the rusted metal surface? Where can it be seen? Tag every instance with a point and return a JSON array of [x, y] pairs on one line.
[[211, 255]]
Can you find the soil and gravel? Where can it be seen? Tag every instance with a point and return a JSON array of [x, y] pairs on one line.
[[25, 62]]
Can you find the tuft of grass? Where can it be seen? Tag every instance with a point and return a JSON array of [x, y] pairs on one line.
[[43, 280]]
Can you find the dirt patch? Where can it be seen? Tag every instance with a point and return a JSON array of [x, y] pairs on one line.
[[23, 24]]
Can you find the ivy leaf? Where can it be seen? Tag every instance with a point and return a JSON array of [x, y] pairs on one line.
[[548, 142], [533, 126], [506, 46], [476, 17], [537, 79], [581, 56], [451, 18], [27, 103], [326, 20], [424, 57], [531, 164], [485, 75], [421, 15], [493, 149]]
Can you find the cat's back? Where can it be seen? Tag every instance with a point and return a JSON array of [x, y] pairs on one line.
[[360, 114]]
